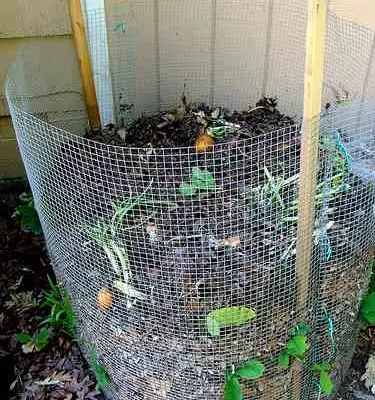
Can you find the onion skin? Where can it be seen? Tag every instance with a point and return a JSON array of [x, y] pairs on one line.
[[104, 299], [204, 142]]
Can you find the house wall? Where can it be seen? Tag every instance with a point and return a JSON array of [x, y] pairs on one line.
[[41, 22], [34, 24], [360, 11]]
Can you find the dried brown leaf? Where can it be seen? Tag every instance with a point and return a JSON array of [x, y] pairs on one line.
[[28, 348], [55, 379]]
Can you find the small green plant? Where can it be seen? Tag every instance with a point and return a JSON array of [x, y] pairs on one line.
[[36, 342], [228, 316], [200, 180], [296, 347], [102, 378], [251, 370], [27, 214], [367, 311], [61, 312], [325, 380]]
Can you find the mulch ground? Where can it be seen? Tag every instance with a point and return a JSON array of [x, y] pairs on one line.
[[59, 371], [353, 388]]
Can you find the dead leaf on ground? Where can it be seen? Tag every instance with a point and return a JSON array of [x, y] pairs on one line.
[[28, 348], [55, 379]]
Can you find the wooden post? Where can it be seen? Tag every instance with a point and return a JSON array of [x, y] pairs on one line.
[[309, 164], [80, 39]]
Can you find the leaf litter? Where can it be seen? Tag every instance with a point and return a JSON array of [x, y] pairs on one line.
[[58, 371]]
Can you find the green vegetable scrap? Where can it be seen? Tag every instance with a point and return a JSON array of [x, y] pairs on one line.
[[228, 316], [216, 124], [200, 180], [251, 370], [296, 346], [325, 380]]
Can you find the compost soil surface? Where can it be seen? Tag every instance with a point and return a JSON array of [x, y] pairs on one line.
[[181, 126], [59, 371]]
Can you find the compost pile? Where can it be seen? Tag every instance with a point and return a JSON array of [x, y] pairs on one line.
[[195, 210], [180, 127]]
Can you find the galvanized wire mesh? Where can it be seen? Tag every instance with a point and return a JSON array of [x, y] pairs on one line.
[[120, 224]]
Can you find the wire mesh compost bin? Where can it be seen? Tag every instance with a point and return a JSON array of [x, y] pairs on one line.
[[176, 228]]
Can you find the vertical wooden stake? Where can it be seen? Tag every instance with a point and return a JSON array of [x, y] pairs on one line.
[[314, 70], [80, 39]]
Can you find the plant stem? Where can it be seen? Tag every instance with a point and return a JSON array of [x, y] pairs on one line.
[[111, 257], [123, 256], [129, 290]]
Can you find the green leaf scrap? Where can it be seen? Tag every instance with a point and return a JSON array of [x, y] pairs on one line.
[[251, 370], [187, 189], [228, 316], [284, 359], [232, 389], [325, 380], [297, 346], [200, 180]]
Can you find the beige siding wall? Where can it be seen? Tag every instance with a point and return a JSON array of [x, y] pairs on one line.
[[208, 52], [25, 18], [33, 23], [361, 11]]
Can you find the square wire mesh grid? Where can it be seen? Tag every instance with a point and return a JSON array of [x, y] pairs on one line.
[[121, 219]]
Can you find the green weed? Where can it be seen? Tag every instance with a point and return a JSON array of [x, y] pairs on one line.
[[27, 215], [36, 342], [367, 310], [325, 380], [61, 313], [102, 378]]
